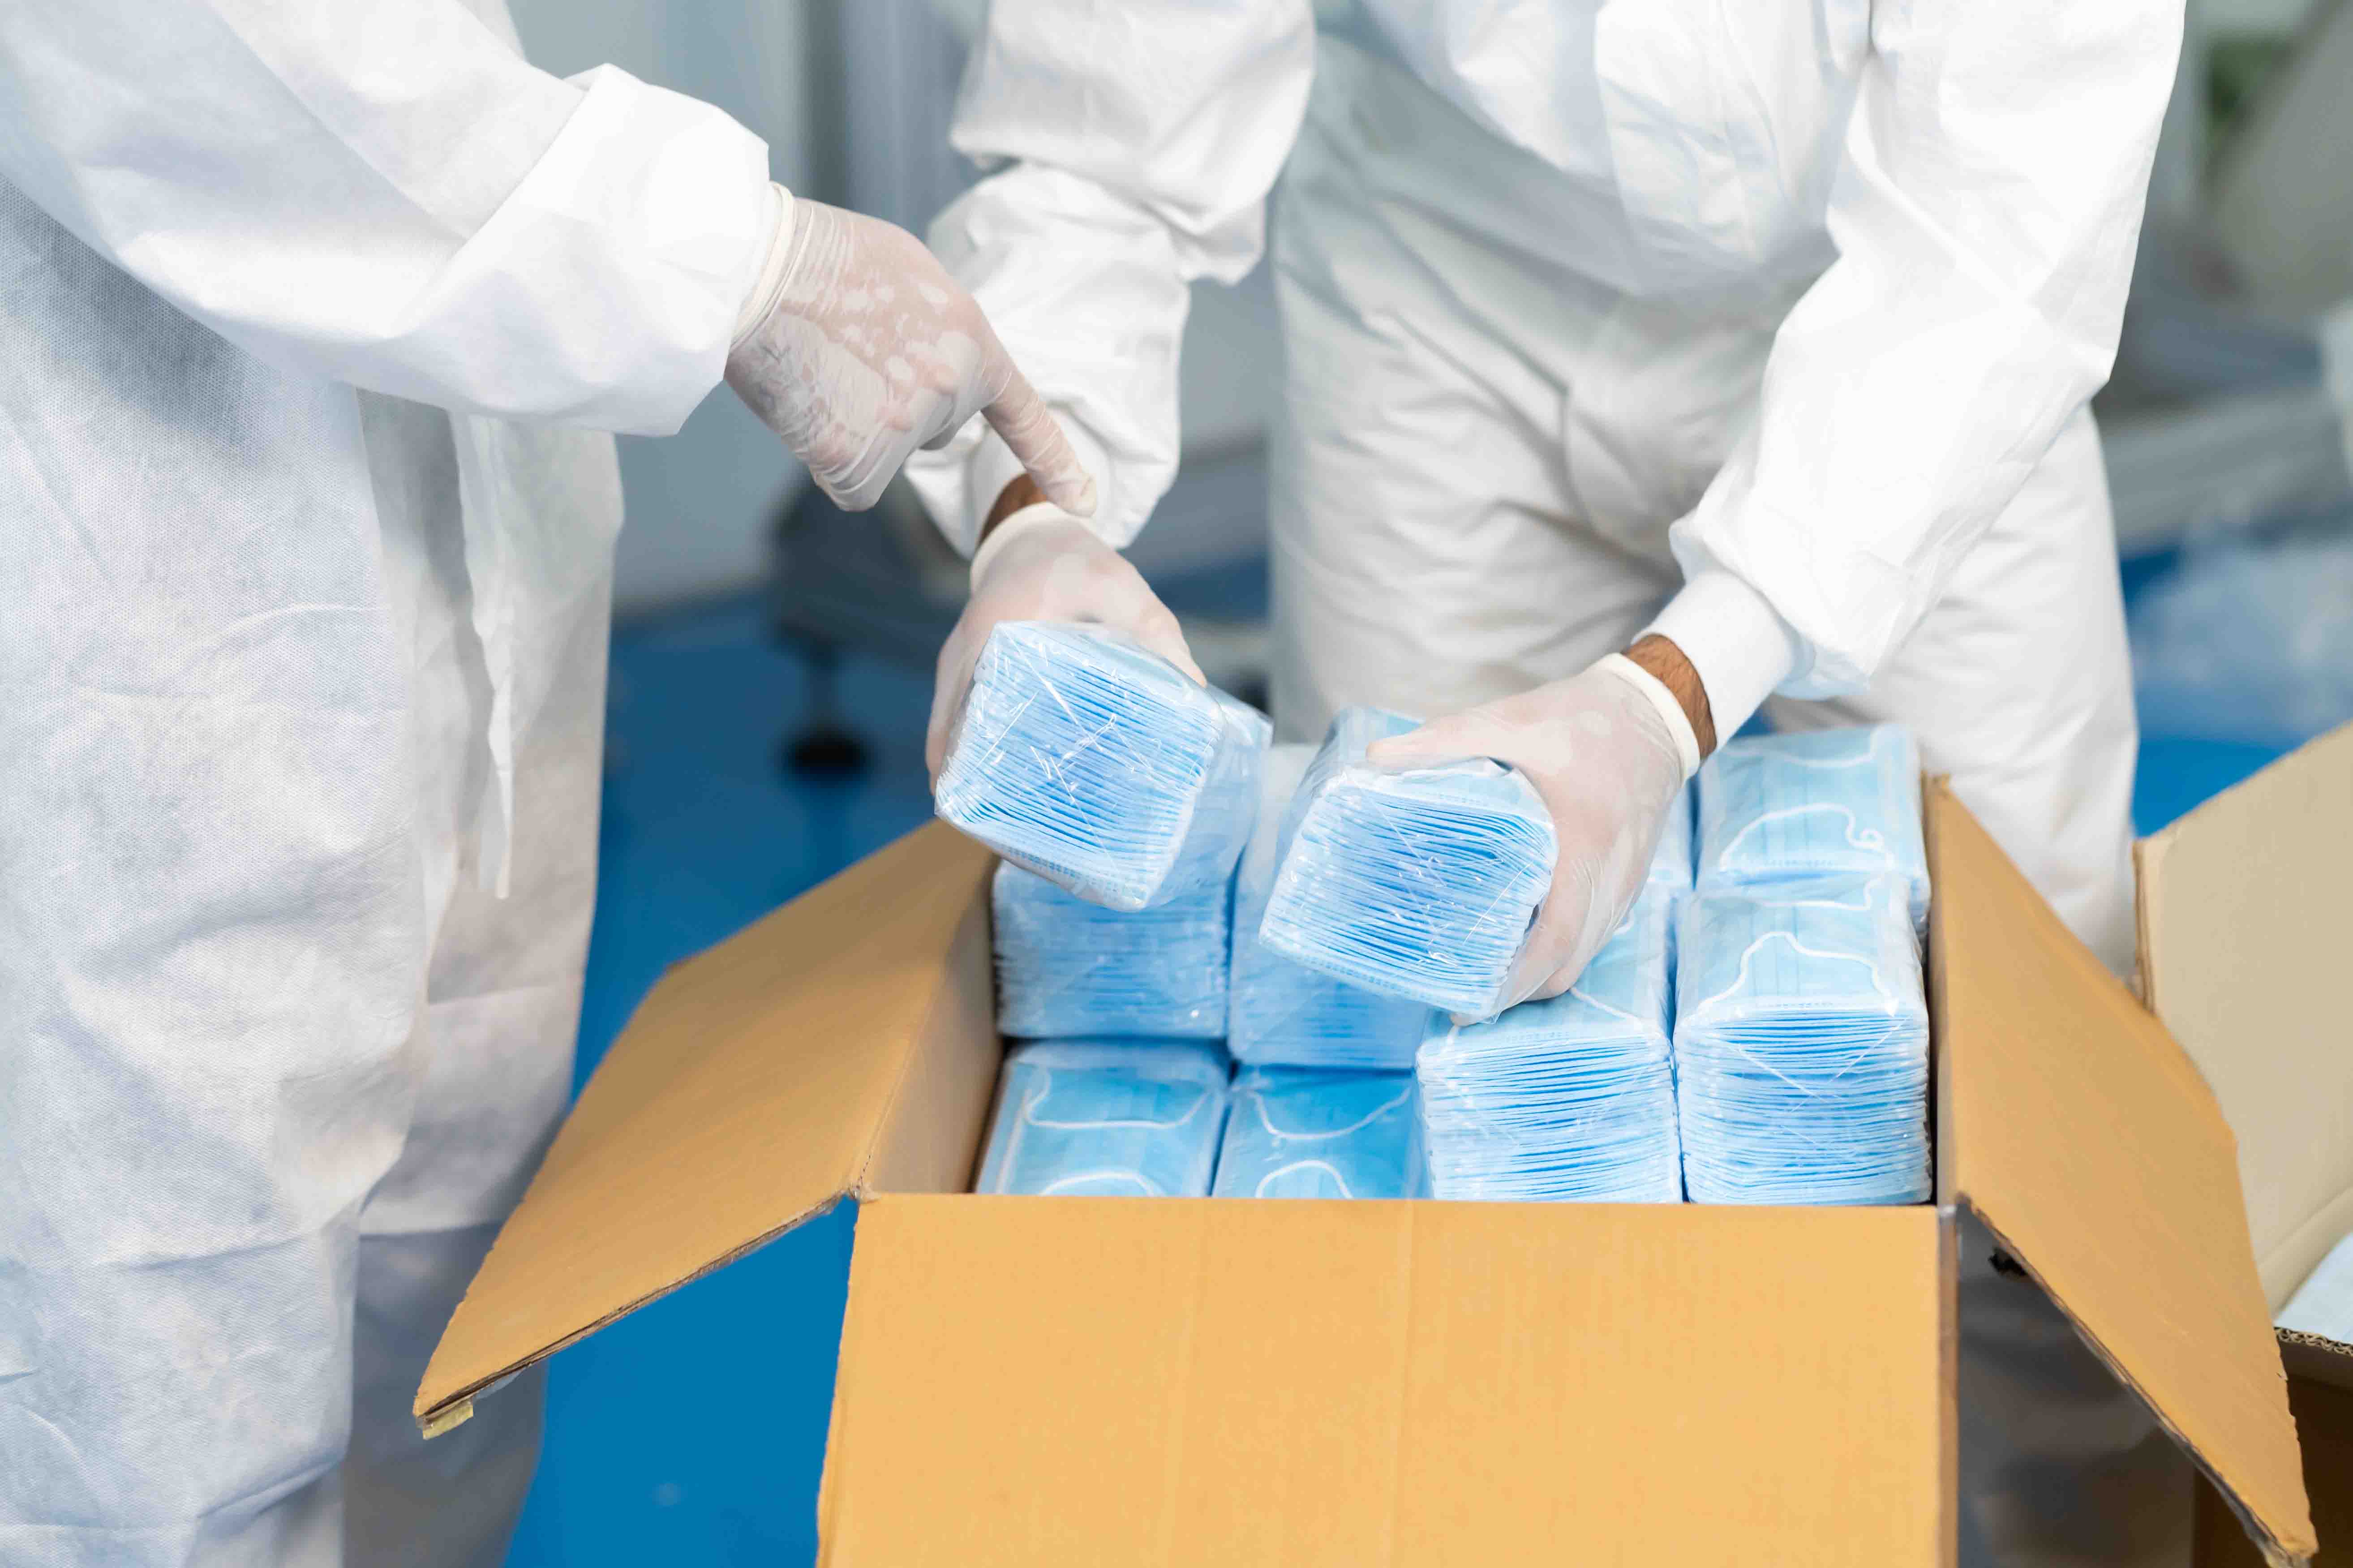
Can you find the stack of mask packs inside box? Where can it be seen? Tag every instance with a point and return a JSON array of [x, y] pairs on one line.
[[1572, 1097], [1345, 912], [1122, 794], [1802, 1040]]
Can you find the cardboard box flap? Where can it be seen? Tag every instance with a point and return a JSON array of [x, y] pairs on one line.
[[2245, 946], [753, 1088], [1295, 1383], [2071, 1122]]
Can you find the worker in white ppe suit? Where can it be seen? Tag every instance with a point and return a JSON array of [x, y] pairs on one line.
[[1645, 362], [314, 319]]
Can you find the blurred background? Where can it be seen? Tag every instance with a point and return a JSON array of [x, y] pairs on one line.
[[771, 669]]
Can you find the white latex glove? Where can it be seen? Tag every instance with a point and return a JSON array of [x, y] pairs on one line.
[[1043, 564], [857, 347], [1607, 750]]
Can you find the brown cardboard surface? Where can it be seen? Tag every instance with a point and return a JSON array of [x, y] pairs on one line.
[[1087, 1381], [2323, 1421], [750, 1091], [2091, 1147], [930, 1140], [2246, 910]]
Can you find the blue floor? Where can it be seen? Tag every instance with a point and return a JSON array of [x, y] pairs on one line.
[[694, 1431]]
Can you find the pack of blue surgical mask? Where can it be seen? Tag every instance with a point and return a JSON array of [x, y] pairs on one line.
[[1107, 1118], [1066, 967], [1278, 1011], [1836, 803], [1571, 1099], [1671, 863], [1102, 767], [1801, 1044], [1419, 884], [1298, 1133]]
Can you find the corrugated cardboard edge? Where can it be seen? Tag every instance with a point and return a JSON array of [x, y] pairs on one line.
[[1944, 811], [458, 1408], [952, 998], [2317, 1358]]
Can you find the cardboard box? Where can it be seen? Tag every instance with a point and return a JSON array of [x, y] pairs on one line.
[[1107, 1381], [2245, 951]]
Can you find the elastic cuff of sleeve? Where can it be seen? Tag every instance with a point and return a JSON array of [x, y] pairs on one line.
[[1740, 647], [1671, 712], [778, 227], [993, 465], [1035, 515]]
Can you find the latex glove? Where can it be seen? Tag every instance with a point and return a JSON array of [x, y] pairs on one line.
[[1607, 750], [857, 347], [1043, 564]]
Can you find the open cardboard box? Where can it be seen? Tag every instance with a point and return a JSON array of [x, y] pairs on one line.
[[2246, 947], [1104, 1381]]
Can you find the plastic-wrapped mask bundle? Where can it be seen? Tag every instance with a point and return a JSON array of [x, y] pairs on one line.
[[1569, 1099], [1773, 808], [1296, 1133], [1107, 1118], [1280, 1010], [1802, 1046], [1102, 767], [1671, 863], [1419, 884], [1067, 967]]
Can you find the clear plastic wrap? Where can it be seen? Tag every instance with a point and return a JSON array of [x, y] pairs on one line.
[[1280, 1011], [1296, 1133], [1571, 1099], [1801, 1044], [1824, 802], [1416, 884], [1101, 767], [1066, 967], [1107, 1118]]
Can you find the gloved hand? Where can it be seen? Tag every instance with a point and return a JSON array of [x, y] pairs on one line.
[[857, 347], [1043, 564], [1607, 750]]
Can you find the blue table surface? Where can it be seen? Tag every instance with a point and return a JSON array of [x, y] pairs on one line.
[[694, 1430]]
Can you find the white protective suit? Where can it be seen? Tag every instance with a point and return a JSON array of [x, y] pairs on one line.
[[1805, 299], [294, 679], [1782, 316]]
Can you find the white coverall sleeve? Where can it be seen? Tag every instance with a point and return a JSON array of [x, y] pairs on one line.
[[1985, 217], [1142, 139], [389, 196]]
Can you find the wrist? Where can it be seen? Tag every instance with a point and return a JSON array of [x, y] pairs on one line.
[[1732, 641], [1672, 718], [1023, 492], [1659, 659], [1038, 514], [768, 282]]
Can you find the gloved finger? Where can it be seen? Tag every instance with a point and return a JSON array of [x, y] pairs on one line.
[[1028, 427], [1159, 631], [1455, 739]]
